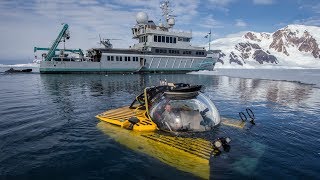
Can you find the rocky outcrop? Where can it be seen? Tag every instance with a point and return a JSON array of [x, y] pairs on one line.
[[262, 56], [309, 44], [251, 36], [278, 43], [284, 38], [220, 55], [235, 59]]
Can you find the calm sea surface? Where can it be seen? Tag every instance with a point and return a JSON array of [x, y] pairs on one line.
[[48, 129]]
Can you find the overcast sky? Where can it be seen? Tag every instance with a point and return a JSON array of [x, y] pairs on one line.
[[28, 23]]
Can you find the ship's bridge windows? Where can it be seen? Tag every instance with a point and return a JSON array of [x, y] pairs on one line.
[[164, 39], [186, 39], [143, 39], [108, 58], [157, 50], [120, 58], [117, 58], [112, 58]]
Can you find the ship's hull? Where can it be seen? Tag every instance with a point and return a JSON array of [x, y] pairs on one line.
[[142, 64]]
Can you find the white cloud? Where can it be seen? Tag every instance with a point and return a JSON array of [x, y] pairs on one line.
[[240, 23], [221, 5], [221, 2], [263, 2], [38, 22], [210, 23], [311, 21]]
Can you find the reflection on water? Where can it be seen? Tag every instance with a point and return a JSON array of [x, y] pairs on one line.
[[48, 128]]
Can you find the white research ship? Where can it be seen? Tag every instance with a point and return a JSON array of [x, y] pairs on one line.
[[160, 49]]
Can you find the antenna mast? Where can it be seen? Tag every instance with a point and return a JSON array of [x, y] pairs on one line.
[[166, 13]]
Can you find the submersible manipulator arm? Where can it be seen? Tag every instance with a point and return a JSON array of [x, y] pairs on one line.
[[63, 33]]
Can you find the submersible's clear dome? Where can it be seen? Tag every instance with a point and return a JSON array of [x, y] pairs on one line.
[[193, 113]]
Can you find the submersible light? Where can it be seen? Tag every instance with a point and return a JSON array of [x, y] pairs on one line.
[[217, 144], [222, 142]]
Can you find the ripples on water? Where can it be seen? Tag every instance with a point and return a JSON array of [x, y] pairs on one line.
[[48, 129]]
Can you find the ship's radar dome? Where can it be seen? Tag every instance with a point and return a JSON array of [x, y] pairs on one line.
[[142, 18], [171, 21]]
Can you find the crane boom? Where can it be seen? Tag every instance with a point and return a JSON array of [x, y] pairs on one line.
[[55, 44], [66, 50]]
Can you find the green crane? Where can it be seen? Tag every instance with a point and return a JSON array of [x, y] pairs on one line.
[[63, 34]]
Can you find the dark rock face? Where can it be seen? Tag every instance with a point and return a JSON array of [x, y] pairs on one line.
[[278, 43], [221, 55], [285, 37], [261, 56], [235, 59], [310, 45], [251, 36]]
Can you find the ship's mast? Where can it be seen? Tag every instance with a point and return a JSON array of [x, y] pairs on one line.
[[166, 13], [209, 39]]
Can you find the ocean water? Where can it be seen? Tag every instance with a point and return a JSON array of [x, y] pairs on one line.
[[48, 128]]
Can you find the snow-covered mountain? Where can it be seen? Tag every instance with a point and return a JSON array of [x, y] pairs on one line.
[[293, 46]]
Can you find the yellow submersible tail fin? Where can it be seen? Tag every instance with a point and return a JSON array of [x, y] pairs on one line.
[[186, 154]]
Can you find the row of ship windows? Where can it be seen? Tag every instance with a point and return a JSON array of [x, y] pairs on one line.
[[164, 39], [177, 51], [199, 53], [120, 58], [143, 39]]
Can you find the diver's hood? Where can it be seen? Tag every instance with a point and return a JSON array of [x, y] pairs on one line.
[[183, 108]]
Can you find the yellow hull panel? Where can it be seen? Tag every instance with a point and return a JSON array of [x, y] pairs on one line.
[[186, 154], [121, 116]]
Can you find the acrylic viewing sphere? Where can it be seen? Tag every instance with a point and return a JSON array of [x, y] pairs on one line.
[[197, 113]]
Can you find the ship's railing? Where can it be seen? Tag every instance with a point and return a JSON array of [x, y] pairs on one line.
[[170, 33]]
